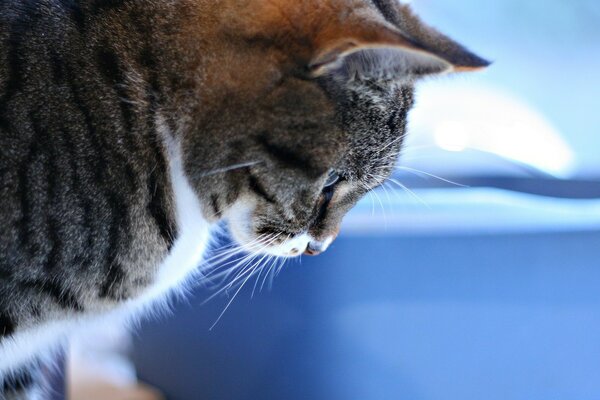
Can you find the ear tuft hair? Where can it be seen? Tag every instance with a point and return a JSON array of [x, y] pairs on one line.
[[385, 63], [394, 44]]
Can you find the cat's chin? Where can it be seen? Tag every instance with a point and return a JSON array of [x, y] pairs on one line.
[[239, 219], [290, 248], [293, 247]]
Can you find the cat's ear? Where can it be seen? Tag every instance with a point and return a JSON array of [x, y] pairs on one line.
[[397, 47]]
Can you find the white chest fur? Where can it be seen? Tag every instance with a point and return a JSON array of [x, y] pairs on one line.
[[193, 233]]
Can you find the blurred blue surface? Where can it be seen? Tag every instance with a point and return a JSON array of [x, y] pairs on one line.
[[491, 311]]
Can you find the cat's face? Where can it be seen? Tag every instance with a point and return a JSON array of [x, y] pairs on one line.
[[318, 119], [312, 174]]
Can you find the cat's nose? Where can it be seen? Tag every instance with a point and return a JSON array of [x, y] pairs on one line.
[[316, 247]]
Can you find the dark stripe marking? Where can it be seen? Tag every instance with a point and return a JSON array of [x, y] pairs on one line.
[[100, 164], [75, 13], [86, 204], [27, 196], [214, 202], [58, 68], [110, 67], [7, 325], [17, 382], [18, 32], [99, 171], [15, 58], [102, 6], [116, 236], [112, 283], [116, 202], [62, 296], [291, 158], [258, 188], [158, 209], [159, 205], [42, 137], [150, 64]]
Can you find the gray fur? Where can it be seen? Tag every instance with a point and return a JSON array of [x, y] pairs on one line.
[[24, 384]]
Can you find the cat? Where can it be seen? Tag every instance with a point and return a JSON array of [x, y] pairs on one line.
[[129, 128]]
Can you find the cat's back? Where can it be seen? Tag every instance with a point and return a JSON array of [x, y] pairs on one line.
[[34, 41], [85, 196]]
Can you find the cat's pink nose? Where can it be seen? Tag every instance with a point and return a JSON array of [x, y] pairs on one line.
[[316, 247], [312, 252]]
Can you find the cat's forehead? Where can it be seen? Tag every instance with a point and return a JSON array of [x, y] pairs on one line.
[[304, 27]]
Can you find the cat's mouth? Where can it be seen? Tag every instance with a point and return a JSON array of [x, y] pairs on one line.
[[278, 244], [272, 241], [298, 245], [291, 247]]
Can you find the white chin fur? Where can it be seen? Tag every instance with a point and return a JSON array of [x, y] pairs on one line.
[[290, 248], [239, 218]]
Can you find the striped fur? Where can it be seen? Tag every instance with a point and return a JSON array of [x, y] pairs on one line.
[[23, 384]]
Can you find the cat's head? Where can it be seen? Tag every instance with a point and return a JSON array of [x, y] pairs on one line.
[[307, 113]]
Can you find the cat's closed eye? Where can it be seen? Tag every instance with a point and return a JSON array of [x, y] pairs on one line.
[[332, 179]]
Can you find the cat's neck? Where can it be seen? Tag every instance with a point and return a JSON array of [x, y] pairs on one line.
[[175, 40]]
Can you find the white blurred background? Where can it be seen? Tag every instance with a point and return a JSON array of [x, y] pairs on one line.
[[534, 112]]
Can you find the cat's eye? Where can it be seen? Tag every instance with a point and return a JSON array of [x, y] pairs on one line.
[[332, 179]]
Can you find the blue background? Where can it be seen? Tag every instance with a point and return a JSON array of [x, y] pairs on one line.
[[545, 53]]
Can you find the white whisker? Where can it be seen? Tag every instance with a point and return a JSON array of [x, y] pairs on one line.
[[260, 271], [224, 271], [231, 168], [230, 302], [406, 189], [417, 172], [240, 263]]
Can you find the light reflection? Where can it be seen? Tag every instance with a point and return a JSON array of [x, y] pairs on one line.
[[458, 117]]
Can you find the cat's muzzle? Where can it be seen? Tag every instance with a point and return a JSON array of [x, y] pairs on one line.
[[316, 247]]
